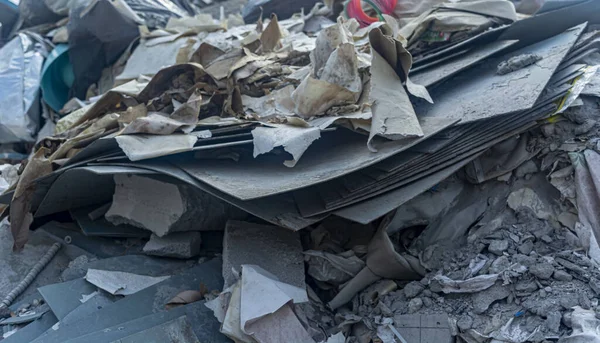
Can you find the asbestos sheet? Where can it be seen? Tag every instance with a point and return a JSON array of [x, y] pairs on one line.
[[101, 227], [438, 73], [82, 186], [279, 210], [177, 330], [141, 147], [369, 210], [481, 94], [341, 153]]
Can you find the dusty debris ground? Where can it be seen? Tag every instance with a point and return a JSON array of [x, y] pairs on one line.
[[200, 183]]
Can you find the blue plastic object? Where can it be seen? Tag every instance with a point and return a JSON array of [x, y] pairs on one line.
[[57, 77]]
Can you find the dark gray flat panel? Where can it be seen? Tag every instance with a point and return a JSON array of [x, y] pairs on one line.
[[64, 297], [148, 301], [438, 73], [480, 93]]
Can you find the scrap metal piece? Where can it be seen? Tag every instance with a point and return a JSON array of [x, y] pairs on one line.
[[37, 268]]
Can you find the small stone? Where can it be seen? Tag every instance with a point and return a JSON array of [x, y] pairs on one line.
[[528, 198], [413, 289], [35, 303], [561, 275], [415, 305], [498, 247], [569, 301], [547, 239], [542, 270], [584, 301], [595, 285], [553, 321], [542, 293], [528, 167], [427, 293], [548, 289], [499, 265], [505, 177], [427, 302], [526, 286], [435, 286], [482, 300], [465, 323], [526, 248], [527, 261], [528, 177]]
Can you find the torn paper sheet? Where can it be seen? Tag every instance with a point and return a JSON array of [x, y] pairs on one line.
[[141, 147], [314, 97], [394, 52], [157, 124], [295, 140], [326, 121], [265, 312], [20, 208], [121, 283], [278, 103], [472, 285], [231, 322], [586, 327], [512, 332], [270, 38], [334, 79], [587, 182], [220, 304], [393, 114]]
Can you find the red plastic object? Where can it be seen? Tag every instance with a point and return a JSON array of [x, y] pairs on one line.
[[354, 10]]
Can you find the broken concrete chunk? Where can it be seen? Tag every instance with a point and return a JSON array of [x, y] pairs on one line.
[[526, 286], [542, 270], [272, 248], [413, 289], [177, 245], [528, 167], [163, 207], [561, 275], [483, 300], [415, 305], [528, 198], [465, 322], [497, 247], [526, 248], [472, 285], [595, 285], [517, 62]]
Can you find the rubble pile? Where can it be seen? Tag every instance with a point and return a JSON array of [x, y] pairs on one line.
[[422, 172]]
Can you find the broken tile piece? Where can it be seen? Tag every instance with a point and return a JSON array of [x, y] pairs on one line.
[[528, 198], [163, 207], [120, 283], [176, 244], [272, 248], [423, 328]]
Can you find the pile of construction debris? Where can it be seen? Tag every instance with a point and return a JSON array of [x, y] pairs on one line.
[[308, 178]]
